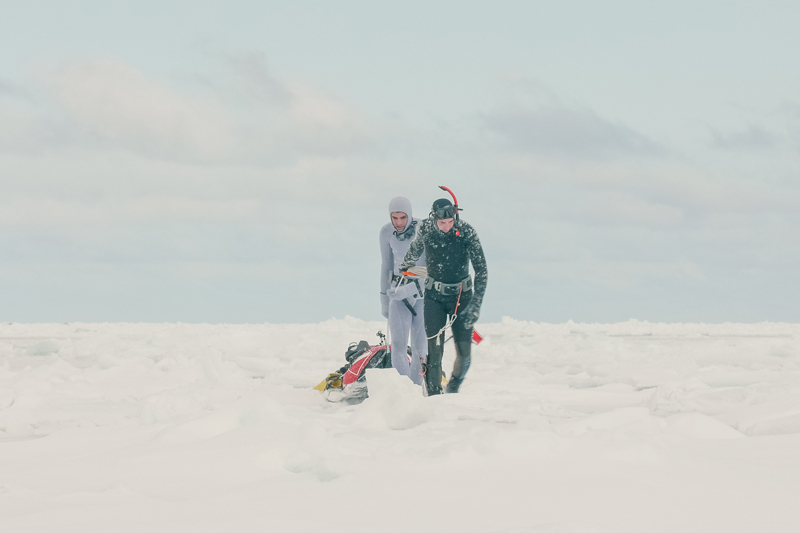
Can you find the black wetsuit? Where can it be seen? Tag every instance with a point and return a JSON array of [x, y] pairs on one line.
[[448, 256]]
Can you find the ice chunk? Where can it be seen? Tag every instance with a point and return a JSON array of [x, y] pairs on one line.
[[701, 426], [610, 420], [394, 400], [42, 348]]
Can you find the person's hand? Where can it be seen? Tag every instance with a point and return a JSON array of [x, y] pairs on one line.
[[469, 316]]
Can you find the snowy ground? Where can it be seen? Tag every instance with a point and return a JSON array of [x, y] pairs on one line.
[[630, 427]]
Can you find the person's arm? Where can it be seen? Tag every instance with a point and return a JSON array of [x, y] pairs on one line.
[[475, 251], [416, 249], [387, 264]]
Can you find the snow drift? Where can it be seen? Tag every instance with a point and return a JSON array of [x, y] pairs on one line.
[[570, 427]]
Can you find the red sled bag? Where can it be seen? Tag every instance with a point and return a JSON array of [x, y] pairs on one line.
[[349, 383]]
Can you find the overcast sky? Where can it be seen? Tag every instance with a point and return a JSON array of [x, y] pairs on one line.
[[233, 161]]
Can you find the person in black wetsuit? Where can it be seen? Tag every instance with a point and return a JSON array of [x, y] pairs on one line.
[[450, 245]]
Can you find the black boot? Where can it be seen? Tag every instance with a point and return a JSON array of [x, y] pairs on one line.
[[463, 360], [453, 385]]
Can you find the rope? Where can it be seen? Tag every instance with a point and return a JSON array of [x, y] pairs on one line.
[[453, 317]]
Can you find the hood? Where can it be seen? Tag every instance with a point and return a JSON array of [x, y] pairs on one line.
[[403, 205], [400, 204]]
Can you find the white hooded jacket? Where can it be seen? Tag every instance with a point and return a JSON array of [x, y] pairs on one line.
[[394, 246]]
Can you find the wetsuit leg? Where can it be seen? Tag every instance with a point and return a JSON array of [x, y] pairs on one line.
[[463, 342], [433, 374], [399, 326], [435, 319]]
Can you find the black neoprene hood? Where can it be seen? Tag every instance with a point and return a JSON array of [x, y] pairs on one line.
[[440, 203]]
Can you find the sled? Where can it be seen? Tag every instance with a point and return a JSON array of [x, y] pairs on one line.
[[349, 383]]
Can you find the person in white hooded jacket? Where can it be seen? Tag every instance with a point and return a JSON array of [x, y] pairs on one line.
[[403, 305]]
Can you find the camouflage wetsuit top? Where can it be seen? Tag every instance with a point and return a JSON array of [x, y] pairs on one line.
[[448, 256]]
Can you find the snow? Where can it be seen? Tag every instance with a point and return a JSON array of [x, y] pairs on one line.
[[560, 428]]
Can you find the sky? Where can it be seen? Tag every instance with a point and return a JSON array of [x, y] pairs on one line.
[[233, 161]]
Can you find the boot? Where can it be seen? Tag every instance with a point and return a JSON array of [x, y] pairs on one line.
[[463, 360], [453, 385]]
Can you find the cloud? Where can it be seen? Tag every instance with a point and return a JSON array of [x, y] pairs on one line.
[[620, 275], [26, 130], [281, 119], [25, 126], [792, 112], [620, 208], [560, 132], [11, 90], [239, 166], [752, 137], [238, 113], [118, 105], [677, 184], [56, 214], [253, 81]]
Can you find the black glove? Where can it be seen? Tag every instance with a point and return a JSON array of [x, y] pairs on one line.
[[469, 315]]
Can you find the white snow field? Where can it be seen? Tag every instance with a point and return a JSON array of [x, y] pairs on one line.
[[630, 427]]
